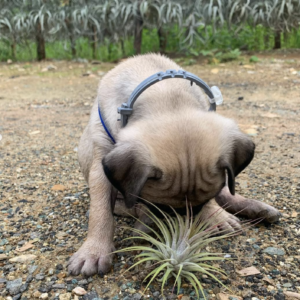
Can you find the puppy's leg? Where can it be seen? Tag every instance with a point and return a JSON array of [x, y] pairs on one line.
[[225, 221], [94, 256], [250, 208]]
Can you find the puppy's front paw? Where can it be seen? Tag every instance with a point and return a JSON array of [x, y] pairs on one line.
[[269, 213], [91, 259]]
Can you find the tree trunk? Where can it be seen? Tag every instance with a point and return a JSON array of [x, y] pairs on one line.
[[68, 21], [94, 42], [277, 44], [13, 49], [266, 41], [123, 47], [40, 42], [162, 36], [138, 33]]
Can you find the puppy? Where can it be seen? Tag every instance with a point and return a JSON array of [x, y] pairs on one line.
[[172, 149]]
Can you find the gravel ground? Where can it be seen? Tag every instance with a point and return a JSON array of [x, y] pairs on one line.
[[44, 199]]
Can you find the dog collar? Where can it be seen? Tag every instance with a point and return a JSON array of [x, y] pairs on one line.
[[214, 94]]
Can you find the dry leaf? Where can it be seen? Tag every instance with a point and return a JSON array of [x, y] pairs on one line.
[[3, 257], [25, 247], [270, 115], [269, 280], [292, 294], [294, 214], [23, 258], [215, 71], [58, 187], [251, 131], [222, 296], [248, 67], [34, 132], [248, 271]]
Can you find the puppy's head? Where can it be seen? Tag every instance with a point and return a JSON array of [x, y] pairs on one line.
[[172, 157]]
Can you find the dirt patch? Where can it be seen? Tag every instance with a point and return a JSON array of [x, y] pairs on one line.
[[44, 109]]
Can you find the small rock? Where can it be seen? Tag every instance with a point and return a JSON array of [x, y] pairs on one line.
[[23, 258], [24, 287], [82, 282], [79, 291], [9, 61], [156, 294], [14, 286], [17, 297], [59, 286], [123, 287], [240, 98], [59, 267], [50, 272], [51, 68], [138, 296], [186, 298], [90, 296], [3, 242], [274, 251], [44, 296], [287, 285], [131, 290], [39, 276], [37, 294], [66, 296]]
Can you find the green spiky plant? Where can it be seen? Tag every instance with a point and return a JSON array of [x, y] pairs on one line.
[[177, 248]]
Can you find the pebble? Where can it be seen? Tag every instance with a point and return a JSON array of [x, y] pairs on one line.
[[37, 294], [24, 287], [17, 297], [90, 296], [32, 269], [82, 282], [137, 296], [39, 276], [274, 251], [50, 272], [14, 286], [44, 296], [79, 291], [66, 296], [59, 286]]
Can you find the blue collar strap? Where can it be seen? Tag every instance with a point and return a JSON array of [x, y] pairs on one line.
[[104, 126], [214, 94]]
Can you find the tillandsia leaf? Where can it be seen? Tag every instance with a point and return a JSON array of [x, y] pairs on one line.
[[165, 278]]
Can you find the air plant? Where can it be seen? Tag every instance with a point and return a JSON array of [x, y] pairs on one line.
[[177, 248]]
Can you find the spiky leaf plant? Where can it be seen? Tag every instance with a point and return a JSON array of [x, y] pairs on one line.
[[177, 248]]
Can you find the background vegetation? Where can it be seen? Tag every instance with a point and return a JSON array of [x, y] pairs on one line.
[[112, 29]]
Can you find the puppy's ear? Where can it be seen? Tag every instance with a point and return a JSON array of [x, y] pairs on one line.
[[127, 169], [242, 152]]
